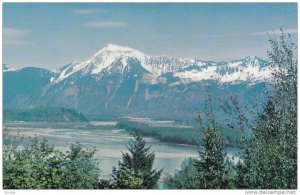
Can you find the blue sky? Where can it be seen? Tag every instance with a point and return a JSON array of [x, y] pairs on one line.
[[51, 35]]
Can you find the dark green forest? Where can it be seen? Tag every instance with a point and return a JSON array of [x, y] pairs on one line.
[[176, 134], [44, 115], [268, 160]]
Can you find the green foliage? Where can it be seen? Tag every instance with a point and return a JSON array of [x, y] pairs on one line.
[[185, 178], [175, 134], [38, 165], [79, 169], [246, 176], [212, 167], [135, 171], [181, 135], [213, 170], [273, 156]]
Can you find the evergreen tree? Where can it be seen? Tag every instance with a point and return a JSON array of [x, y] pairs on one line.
[[246, 174], [185, 178], [135, 172], [213, 166]]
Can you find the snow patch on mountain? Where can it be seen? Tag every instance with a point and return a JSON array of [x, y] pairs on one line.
[[69, 70], [7, 68], [251, 73], [250, 69], [195, 75]]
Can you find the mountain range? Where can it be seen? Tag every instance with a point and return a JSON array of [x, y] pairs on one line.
[[120, 81]]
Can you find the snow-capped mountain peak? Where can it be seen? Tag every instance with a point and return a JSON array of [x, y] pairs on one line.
[[101, 60], [110, 53], [7, 68], [112, 48], [250, 68], [113, 51]]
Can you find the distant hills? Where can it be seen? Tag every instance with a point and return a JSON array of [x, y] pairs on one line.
[[44, 115], [120, 81]]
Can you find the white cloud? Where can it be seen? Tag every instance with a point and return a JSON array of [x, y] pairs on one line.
[[276, 32], [12, 36], [15, 42], [108, 24], [87, 11], [12, 32]]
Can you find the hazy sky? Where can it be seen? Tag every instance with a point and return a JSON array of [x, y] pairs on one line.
[[51, 35]]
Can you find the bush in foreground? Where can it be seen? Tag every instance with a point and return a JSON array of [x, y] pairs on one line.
[[38, 165]]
